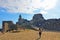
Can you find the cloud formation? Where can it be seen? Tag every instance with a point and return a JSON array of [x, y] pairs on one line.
[[28, 6]]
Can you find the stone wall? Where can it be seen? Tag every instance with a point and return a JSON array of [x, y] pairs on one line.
[[6, 25]]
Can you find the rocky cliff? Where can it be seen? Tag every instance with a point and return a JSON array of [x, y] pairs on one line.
[[49, 24], [39, 21]]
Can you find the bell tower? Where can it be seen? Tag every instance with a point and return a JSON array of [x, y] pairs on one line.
[[19, 18]]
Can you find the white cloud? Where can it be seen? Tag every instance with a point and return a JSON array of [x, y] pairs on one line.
[[43, 12], [28, 6]]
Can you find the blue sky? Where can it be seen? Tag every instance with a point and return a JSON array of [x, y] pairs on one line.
[[7, 16], [11, 9]]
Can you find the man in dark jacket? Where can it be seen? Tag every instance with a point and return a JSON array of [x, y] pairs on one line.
[[40, 32]]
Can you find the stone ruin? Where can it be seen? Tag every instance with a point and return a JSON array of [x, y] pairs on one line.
[[6, 25], [37, 20], [10, 26]]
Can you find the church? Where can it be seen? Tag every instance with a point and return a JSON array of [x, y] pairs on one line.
[[9, 25]]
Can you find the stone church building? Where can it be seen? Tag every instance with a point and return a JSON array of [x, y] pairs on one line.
[[9, 25]]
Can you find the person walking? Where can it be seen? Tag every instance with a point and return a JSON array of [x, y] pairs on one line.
[[40, 32]]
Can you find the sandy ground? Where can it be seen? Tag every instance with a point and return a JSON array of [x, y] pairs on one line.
[[30, 35]]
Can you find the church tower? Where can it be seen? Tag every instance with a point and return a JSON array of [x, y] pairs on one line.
[[19, 18]]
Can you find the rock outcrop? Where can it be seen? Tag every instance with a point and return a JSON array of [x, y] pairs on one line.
[[49, 24], [37, 19]]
